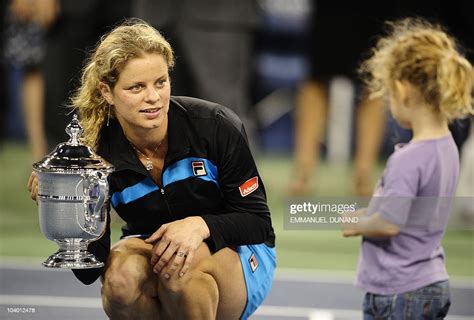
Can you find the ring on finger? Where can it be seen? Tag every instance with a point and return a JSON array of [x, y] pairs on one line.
[[181, 254]]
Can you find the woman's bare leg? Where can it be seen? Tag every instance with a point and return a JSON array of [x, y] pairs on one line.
[[129, 285], [213, 288]]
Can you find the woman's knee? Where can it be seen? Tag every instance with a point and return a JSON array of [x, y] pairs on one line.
[[121, 286], [199, 267], [206, 282], [207, 274], [196, 282], [127, 273], [215, 282]]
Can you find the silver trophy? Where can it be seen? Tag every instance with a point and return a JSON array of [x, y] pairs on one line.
[[73, 195]]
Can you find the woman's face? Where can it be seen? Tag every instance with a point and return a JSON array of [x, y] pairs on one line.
[[141, 96]]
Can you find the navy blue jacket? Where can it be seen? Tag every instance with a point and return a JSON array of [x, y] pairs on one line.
[[208, 172]]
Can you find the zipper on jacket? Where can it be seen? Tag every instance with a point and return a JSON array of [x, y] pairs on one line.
[[162, 190]]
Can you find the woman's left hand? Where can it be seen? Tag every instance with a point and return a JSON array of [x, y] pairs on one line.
[[175, 243]]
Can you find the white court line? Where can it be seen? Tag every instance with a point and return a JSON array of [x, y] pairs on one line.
[[282, 274], [307, 313], [321, 314], [270, 311], [95, 303], [346, 277], [23, 263], [50, 301]]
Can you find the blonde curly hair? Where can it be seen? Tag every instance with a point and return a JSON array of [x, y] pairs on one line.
[[132, 39], [424, 55]]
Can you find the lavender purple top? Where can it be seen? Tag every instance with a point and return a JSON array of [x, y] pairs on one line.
[[415, 193]]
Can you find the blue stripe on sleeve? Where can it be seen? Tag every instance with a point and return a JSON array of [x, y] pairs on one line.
[[183, 169], [134, 192]]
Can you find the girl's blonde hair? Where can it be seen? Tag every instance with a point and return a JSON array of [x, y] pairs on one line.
[[425, 56], [130, 40]]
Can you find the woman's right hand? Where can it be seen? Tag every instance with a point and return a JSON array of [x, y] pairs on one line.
[[33, 185]]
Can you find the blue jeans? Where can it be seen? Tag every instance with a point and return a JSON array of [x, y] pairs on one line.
[[430, 302]]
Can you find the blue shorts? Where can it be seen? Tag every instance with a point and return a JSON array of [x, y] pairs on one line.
[[258, 263]]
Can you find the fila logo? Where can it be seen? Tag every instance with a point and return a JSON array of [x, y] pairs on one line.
[[249, 186], [253, 262], [198, 168]]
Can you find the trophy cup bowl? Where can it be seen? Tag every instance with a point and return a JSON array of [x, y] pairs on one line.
[[73, 199]]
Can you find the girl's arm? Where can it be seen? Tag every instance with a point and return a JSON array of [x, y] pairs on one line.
[[369, 226]]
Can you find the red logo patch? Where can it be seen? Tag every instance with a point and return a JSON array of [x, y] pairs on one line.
[[249, 186]]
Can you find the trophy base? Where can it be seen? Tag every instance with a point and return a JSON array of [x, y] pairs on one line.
[[72, 257], [73, 260]]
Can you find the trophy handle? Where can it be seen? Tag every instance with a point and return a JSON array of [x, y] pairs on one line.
[[96, 191]]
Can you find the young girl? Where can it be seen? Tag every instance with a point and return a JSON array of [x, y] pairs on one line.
[[429, 83]]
